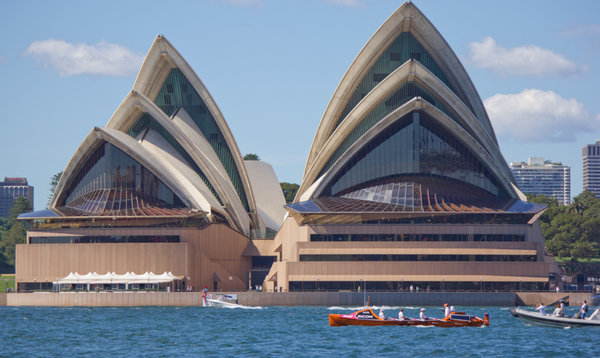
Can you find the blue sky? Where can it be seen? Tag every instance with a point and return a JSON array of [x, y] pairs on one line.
[[272, 66]]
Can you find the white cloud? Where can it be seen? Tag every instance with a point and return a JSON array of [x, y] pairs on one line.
[[73, 59], [537, 116], [526, 61], [248, 3], [347, 3]]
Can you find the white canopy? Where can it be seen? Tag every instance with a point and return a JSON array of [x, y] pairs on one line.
[[127, 278]]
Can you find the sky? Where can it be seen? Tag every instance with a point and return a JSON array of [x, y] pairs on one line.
[[273, 65]]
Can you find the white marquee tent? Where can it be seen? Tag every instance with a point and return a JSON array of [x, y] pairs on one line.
[[110, 278]]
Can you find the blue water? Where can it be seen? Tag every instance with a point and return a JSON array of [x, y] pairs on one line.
[[272, 331]]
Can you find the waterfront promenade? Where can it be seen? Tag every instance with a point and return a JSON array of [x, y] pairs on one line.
[[118, 299]]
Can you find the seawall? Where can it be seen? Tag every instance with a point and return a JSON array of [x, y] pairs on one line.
[[117, 299]]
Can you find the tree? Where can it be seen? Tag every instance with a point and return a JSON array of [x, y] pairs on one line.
[[577, 207], [17, 233], [289, 191], [53, 183], [251, 156]]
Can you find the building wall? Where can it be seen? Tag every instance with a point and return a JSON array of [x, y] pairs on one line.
[[591, 168], [549, 180], [295, 240], [200, 254], [10, 190]]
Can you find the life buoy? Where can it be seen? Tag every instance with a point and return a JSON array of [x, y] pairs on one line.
[[208, 296]]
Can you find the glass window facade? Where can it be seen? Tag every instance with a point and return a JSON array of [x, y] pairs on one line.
[[416, 149], [101, 239], [110, 168], [145, 120], [416, 258], [403, 286], [401, 95], [184, 95], [402, 49], [418, 237]]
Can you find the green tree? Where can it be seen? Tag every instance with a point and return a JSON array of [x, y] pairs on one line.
[[289, 191], [53, 183], [17, 233], [577, 207], [251, 156]]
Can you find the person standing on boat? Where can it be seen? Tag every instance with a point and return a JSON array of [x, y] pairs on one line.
[[583, 310], [446, 310], [422, 314], [401, 314], [541, 309], [381, 314]]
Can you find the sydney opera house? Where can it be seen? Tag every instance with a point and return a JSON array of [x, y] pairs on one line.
[[404, 184]]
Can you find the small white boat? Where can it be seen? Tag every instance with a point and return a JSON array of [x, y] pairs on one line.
[[530, 318], [223, 301]]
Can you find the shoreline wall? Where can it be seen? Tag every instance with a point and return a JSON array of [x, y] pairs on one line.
[[132, 299]]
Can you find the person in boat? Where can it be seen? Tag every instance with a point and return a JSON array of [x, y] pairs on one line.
[[541, 309], [562, 308], [583, 310], [422, 314], [381, 314], [446, 310], [452, 309], [401, 314], [556, 311]]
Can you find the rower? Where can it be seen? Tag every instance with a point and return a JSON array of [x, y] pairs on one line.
[[422, 314], [401, 314], [446, 310]]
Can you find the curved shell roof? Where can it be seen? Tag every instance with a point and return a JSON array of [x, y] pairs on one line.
[[406, 49], [170, 124]]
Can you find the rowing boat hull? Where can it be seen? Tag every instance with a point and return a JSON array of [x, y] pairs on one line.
[[368, 318]]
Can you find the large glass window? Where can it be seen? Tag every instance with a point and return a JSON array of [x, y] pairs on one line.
[[416, 149], [486, 258], [417, 237], [401, 95], [110, 168], [177, 91], [101, 239], [403, 48], [145, 120]]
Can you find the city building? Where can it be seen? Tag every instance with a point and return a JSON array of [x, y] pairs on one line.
[[161, 188], [591, 167], [405, 184], [544, 177], [10, 190]]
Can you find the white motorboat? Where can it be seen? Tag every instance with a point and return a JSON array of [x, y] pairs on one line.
[[223, 301], [530, 318]]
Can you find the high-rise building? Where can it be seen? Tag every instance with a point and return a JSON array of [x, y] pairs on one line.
[[544, 177], [10, 190], [591, 167]]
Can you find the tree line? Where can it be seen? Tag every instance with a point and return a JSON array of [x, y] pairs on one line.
[[571, 230]]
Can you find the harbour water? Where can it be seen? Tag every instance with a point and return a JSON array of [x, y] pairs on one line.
[[272, 331]]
